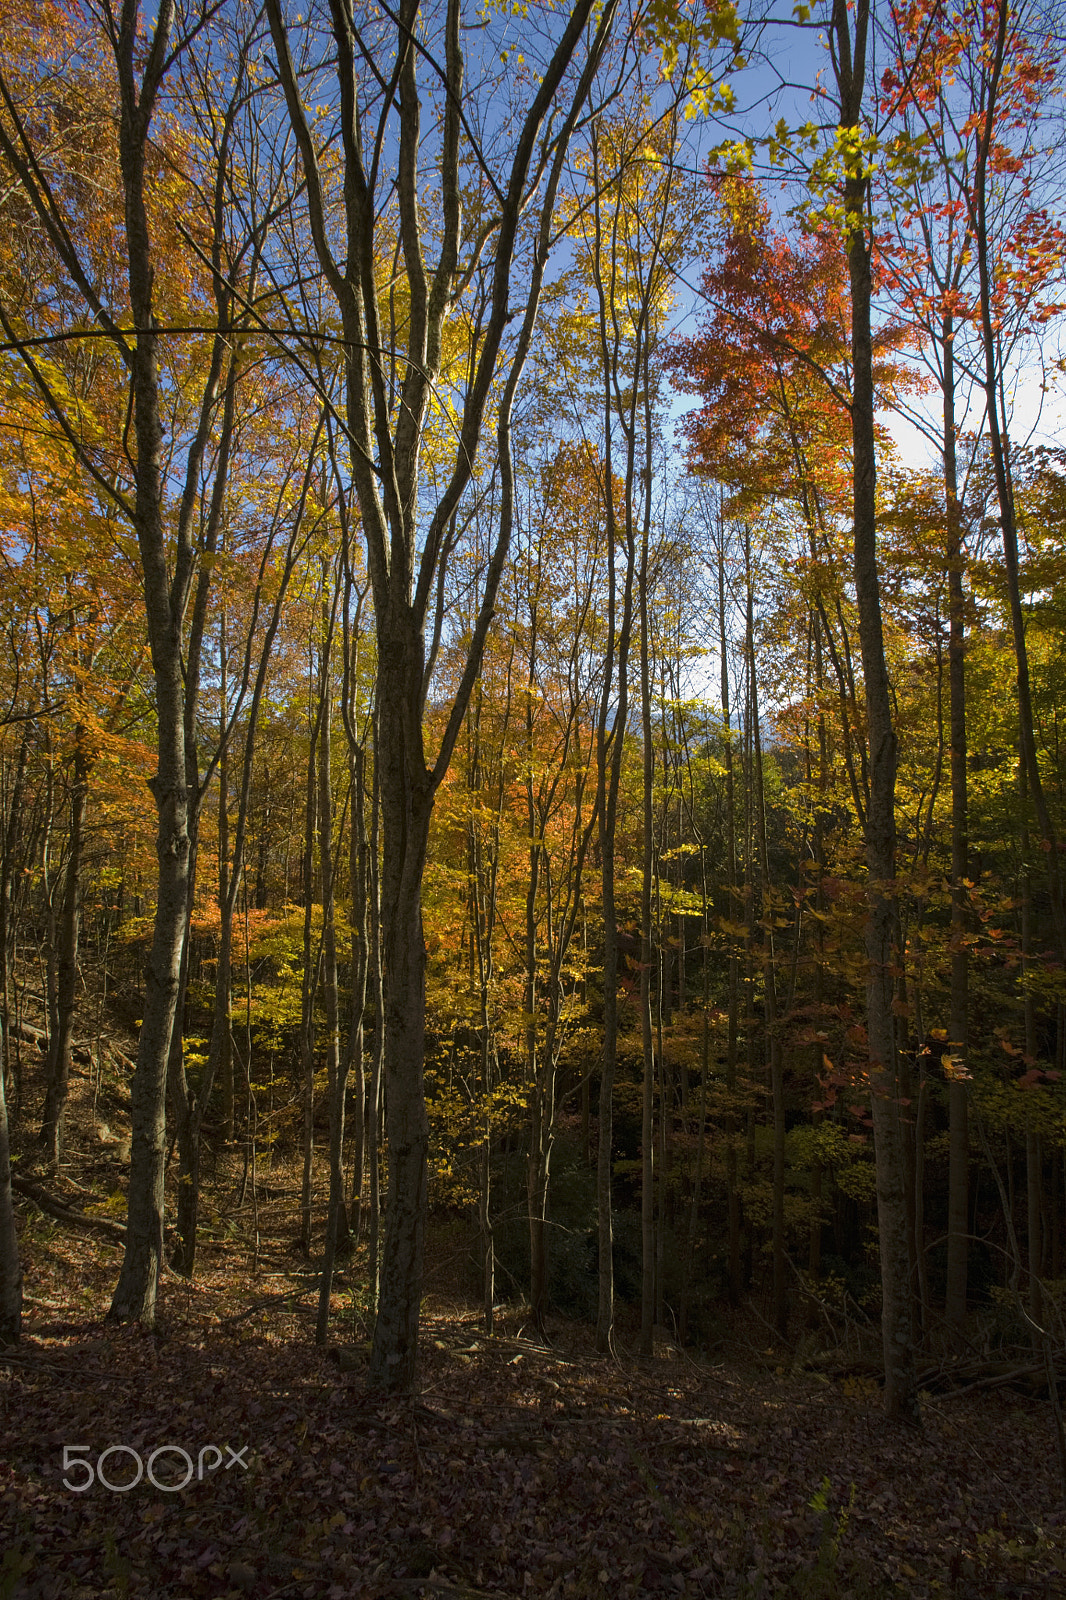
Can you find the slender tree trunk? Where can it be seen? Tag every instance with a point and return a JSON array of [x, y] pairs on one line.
[[539, 1167], [814, 1257], [358, 870], [605, 1111], [309, 987], [537, 1065], [186, 1107], [647, 950], [921, 1107], [750, 1152], [608, 769], [223, 978], [336, 1062], [1000, 449], [958, 1102], [377, 1054], [10, 1269], [406, 803], [850, 32], [773, 1038], [59, 1044], [1034, 1201], [168, 576], [1055, 1210], [12, 824], [701, 1134], [610, 734], [483, 923], [1033, 1160], [733, 1001], [360, 968]]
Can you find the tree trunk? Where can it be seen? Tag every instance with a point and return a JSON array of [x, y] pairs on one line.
[[135, 1292], [12, 824], [540, 1131], [223, 974], [1033, 1160], [998, 440], [731, 1119], [358, 866], [897, 1319], [336, 1062], [406, 802], [167, 584], [647, 950], [773, 1045], [309, 989], [373, 1107], [10, 1270], [58, 1069], [958, 1101], [484, 876], [773, 1038]]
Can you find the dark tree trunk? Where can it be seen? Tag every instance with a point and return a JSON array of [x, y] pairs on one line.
[[773, 1037], [647, 950], [12, 826], [337, 1063], [358, 867], [731, 1121], [309, 989], [59, 1044], [849, 41], [406, 803], [1000, 448], [10, 1269], [377, 1052], [958, 1101]]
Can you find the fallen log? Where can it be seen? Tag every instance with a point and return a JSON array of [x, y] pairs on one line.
[[297, 1294], [951, 1378], [64, 1213], [79, 1051]]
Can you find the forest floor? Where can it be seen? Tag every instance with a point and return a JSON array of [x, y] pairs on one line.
[[521, 1468]]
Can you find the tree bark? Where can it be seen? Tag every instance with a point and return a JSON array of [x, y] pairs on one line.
[[1000, 449], [59, 1044], [958, 1099], [849, 43], [309, 985], [732, 1130], [336, 1061], [12, 825], [773, 1038], [406, 803], [647, 950], [377, 1053], [135, 1292], [10, 1269]]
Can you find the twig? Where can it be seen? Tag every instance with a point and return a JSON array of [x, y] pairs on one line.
[[268, 1300], [52, 1366]]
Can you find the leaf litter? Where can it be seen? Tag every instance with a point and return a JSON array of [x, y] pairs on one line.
[[520, 1469]]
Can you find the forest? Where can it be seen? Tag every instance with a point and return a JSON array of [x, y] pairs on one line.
[[531, 799]]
